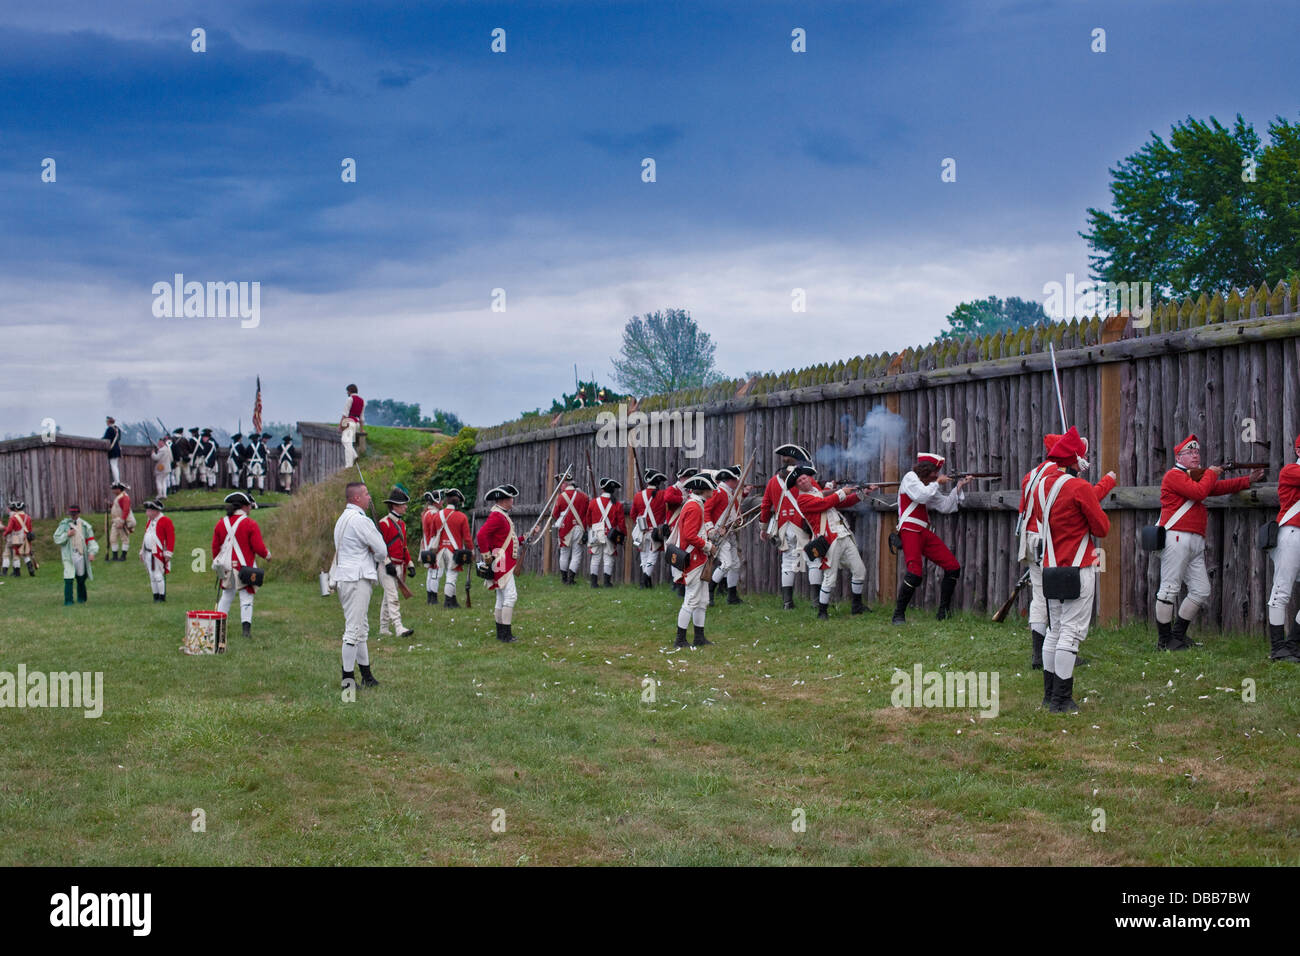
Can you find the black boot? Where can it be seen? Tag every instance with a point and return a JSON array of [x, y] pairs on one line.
[[449, 600], [787, 598], [733, 597], [155, 599], [681, 638], [564, 576], [647, 582], [1063, 696], [367, 678], [905, 592], [1163, 635], [81, 589], [162, 598], [67, 591], [945, 593], [700, 639], [822, 614], [1049, 686], [609, 581], [713, 586], [858, 606], [31, 570], [595, 582], [1036, 650], [431, 597], [1293, 638], [246, 629], [510, 634], [348, 680], [1280, 649], [1178, 640]]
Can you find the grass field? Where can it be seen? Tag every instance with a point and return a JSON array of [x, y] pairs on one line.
[[783, 714]]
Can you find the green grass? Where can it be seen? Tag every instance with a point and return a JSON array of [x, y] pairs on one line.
[[782, 713], [393, 442], [203, 498]]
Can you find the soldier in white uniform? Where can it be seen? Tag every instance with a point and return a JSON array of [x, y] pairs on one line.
[[162, 467]]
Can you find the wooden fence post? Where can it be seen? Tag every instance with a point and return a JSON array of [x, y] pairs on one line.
[[1110, 584], [548, 554], [887, 586]]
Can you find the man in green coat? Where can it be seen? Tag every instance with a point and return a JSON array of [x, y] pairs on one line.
[[76, 539]]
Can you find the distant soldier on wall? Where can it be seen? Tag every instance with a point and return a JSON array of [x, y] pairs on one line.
[[646, 517], [450, 543], [239, 453], [121, 523], [569, 514], [162, 467], [78, 547], [255, 464], [180, 448], [113, 435], [205, 457], [354, 412], [18, 537], [392, 528], [192, 459], [498, 543], [157, 547], [1184, 516], [607, 526], [287, 456]]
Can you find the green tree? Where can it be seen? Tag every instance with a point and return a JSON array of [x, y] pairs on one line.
[[387, 411], [663, 352], [991, 315], [1211, 209]]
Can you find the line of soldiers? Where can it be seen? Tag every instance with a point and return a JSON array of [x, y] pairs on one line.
[[194, 462]]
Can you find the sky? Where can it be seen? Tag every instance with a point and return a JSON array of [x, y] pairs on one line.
[[522, 171]]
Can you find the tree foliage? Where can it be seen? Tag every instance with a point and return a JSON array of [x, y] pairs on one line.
[[663, 352], [387, 411], [1188, 218], [990, 316]]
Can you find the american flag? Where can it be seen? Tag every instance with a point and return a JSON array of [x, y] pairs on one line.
[[257, 408]]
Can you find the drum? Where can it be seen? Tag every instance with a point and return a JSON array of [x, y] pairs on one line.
[[205, 632]]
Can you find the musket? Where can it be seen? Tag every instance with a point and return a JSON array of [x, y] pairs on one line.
[[591, 475], [846, 483], [469, 578], [636, 465], [545, 513], [1056, 380], [979, 475], [1196, 474], [401, 585], [1000, 614]]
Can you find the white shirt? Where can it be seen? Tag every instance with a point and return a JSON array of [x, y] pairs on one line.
[[930, 495], [358, 547]]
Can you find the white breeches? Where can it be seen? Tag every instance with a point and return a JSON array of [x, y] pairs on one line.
[[1037, 602], [113, 464], [245, 603], [843, 553], [355, 598], [504, 610], [571, 549], [728, 563], [390, 609], [602, 557], [1183, 561], [1068, 626], [157, 576], [1286, 568], [696, 602], [444, 564], [349, 438]]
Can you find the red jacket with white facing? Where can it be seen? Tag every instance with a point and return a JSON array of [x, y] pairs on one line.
[[446, 530], [498, 531], [648, 499], [775, 501], [564, 516], [1288, 493], [1178, 487], [18, 521], [718, 501], [1075, 513], [166, 534], [1101, 488], [248, 537], [817, 505], [690, 524], [604, 502], [668, 502], [393, 531]]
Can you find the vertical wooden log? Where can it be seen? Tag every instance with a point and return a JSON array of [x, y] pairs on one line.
[[1111, 414]]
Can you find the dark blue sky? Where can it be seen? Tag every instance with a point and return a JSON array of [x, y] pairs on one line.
[[522, 170]]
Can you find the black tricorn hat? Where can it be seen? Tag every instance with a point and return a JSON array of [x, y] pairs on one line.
[[687, 473], [194, 431], [239, 499], [430, 497], [610, 485], [497, 494], [178, 431], [723, 474], [288, 439], [398, 496], [236, 437], [206, 431], [796, 471], [265, 435], [153, 504], [653, 477], [699, 482], [456, 493], [793, 451], [118, 484]]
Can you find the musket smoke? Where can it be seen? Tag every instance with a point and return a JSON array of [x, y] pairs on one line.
[[860, 457]]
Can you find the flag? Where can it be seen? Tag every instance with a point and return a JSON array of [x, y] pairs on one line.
[[257, 408]]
